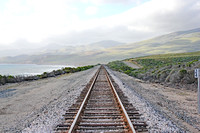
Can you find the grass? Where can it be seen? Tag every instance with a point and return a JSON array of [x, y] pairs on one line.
[[171, 55], [161, 60], [120, 66], [157, 65]]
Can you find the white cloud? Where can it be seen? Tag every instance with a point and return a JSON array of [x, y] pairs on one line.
[[153, 18], [101, 2], [50, 20], [91, 10], [44, 18]]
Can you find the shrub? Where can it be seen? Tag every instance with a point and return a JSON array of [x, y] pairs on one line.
[[190, 63], [183, 71], [128, 72]]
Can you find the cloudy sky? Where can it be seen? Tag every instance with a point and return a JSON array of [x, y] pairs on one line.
[[36, 23]]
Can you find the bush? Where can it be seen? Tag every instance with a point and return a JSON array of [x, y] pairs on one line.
[[128, 72], [120, 66], [190, 63], [183, 71]]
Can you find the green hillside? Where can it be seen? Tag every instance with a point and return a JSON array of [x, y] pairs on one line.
[[168, 68], [170, 55], [178, 42]]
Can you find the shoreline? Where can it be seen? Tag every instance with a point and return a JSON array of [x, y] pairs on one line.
[[15, 79], [28, 69]]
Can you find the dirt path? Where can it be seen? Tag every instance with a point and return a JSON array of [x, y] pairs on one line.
[[131, 65], [38, 105]]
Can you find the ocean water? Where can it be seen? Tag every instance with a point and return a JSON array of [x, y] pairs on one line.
[[27, 69]]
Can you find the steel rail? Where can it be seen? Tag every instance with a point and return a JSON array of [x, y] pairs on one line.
[[72, 127], [130, 125]]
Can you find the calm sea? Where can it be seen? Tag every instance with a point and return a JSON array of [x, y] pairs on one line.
[[27, 69]]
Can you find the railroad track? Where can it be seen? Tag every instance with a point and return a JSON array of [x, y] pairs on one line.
[[102, 107]]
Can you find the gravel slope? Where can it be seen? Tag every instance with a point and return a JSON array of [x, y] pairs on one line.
[[165, 109], [38, 106]]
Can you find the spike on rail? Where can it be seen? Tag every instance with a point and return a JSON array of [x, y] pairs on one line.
[[102, 107]]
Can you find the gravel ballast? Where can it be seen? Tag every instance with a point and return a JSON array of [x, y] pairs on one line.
[[38, 106], [160, 107]]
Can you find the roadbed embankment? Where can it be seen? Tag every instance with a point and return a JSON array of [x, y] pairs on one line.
[[164, 108], [37, 106]]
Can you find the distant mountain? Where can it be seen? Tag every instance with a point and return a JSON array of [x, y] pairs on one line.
[[105, 51], [182, 41], [60, 54], [106, 44], [79, 49]]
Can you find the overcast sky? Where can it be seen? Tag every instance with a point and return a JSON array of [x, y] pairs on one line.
[[35, 23]]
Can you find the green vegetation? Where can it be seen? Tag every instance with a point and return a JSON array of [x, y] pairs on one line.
[[13, 79], [81, 68], [120, 66], [168, 59], [174, 68], [155, 62], [171, 55]]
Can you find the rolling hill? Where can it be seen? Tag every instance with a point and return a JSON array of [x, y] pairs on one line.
[[177, 42], [105, 51]]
